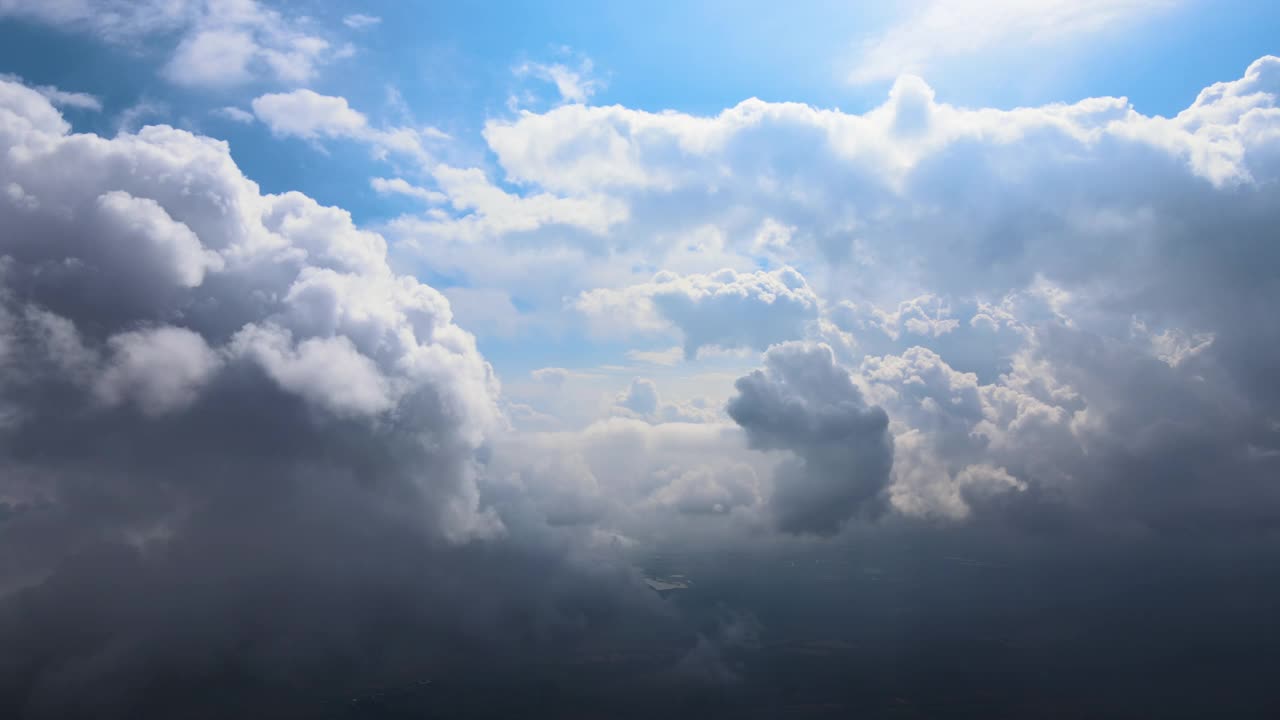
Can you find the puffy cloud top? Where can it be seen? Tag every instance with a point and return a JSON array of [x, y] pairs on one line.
[[709, 310], [227, 403], [146, 280], [805, 403]]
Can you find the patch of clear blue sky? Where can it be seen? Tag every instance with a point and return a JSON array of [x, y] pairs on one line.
[[452, 62]]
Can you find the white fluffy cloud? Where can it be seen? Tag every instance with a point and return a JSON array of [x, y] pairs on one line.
[[155, 270], [62, 98], [161, 369], [890, 148], [955, 257], [915, 211], [486, 211], [220, 43], [481, 209], [631, 478], [309, 115], [723, 309]]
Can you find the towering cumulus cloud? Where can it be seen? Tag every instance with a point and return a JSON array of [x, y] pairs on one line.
[[803, 402], [233, 443]]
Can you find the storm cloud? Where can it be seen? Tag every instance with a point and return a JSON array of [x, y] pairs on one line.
[[841, 451], [236, 445]]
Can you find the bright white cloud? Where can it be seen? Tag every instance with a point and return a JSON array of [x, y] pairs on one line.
[[726, 309], [221, 43], [161, 369], [486, 211], [62, 98], [309, 115], [926, 315]]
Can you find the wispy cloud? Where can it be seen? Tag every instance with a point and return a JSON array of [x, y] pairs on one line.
[[234, 114], [575, 84], [360, 21], [950, 28], [220, 43], [62, 98]]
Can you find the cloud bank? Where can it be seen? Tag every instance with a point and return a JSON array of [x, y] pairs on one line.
[[235, 441]]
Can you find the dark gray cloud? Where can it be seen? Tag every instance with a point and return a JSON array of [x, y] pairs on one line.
[[803, 402], [239, 456]]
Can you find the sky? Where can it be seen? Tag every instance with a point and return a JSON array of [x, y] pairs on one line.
[[691, 359]]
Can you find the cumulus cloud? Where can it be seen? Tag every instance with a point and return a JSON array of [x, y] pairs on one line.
[[1038, 348], [707, 489], [642, 400], [641, 397], [724, 309], [804, 403], [235, 42], [483, 210], [954, 207], [161, 370], [311, 116], [278, 444], [221, 43], [644, 480], [899, 146], [218, 270], [486, 211], [925, 315]]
